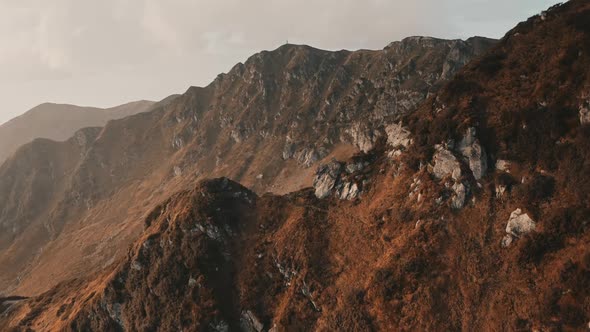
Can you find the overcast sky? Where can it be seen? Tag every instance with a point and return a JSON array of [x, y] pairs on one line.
[[107, 52]]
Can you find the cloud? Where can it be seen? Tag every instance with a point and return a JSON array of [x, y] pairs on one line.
[[160, 28]]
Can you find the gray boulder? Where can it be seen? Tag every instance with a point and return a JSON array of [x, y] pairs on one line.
[[473, 153], [363, 137], [503, 165], [289, 149], [458, 199], [445, 164], [349, 191], [326, 178], [307, 157], [585, 112], [398, 136], [250, 323], [520, 223], [354, 167]]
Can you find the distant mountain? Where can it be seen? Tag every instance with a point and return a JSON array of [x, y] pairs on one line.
[[59, 122]]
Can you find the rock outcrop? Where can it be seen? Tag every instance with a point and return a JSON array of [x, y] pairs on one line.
[[520, 223], [473, 153], [326, 178], [398, 136], [341, 179], [503, 165], [445, 164], [584, 112], [459, 196], [363, 137]]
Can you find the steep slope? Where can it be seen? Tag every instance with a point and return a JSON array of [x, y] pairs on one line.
[[73, 207], [59, 122], [472, 216]]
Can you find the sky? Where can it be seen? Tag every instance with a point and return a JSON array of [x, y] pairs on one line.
[[108, 52]]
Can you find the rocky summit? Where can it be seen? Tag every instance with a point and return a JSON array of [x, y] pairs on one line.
[[422, 197]]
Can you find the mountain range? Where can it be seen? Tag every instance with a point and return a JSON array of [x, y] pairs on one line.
[[59, 122], [431, 185]]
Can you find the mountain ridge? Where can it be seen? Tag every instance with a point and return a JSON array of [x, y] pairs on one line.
[[138, 161], [59, 122]]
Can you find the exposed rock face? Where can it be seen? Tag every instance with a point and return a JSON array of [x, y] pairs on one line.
[[445, 164], [398, 136], [326, 178], [345, 180], [503, 165], [458, 199], [507, 241], [357, 166], [500, 190], [585, 112], [250, 323], [308, 156], [348, 191], [473, 153], [363, 136], [520, 223]]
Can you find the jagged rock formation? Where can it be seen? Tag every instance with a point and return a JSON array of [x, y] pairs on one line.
[[326, 178], [475, 155], [76, 205], [585, 113], [519, 224], [345, 180]]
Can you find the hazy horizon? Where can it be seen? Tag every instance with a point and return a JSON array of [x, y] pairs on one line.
[[112, 52]]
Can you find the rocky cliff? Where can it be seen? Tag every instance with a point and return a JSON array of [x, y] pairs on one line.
[[75, 206]]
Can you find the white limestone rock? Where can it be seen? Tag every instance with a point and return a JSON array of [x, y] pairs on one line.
[[326, 178], [503, 165], [349, 191], [500, 190], [458, 199], [445, 164], [363, 137], [473, 153], [398, 136], [520, 223], [507, 241]]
